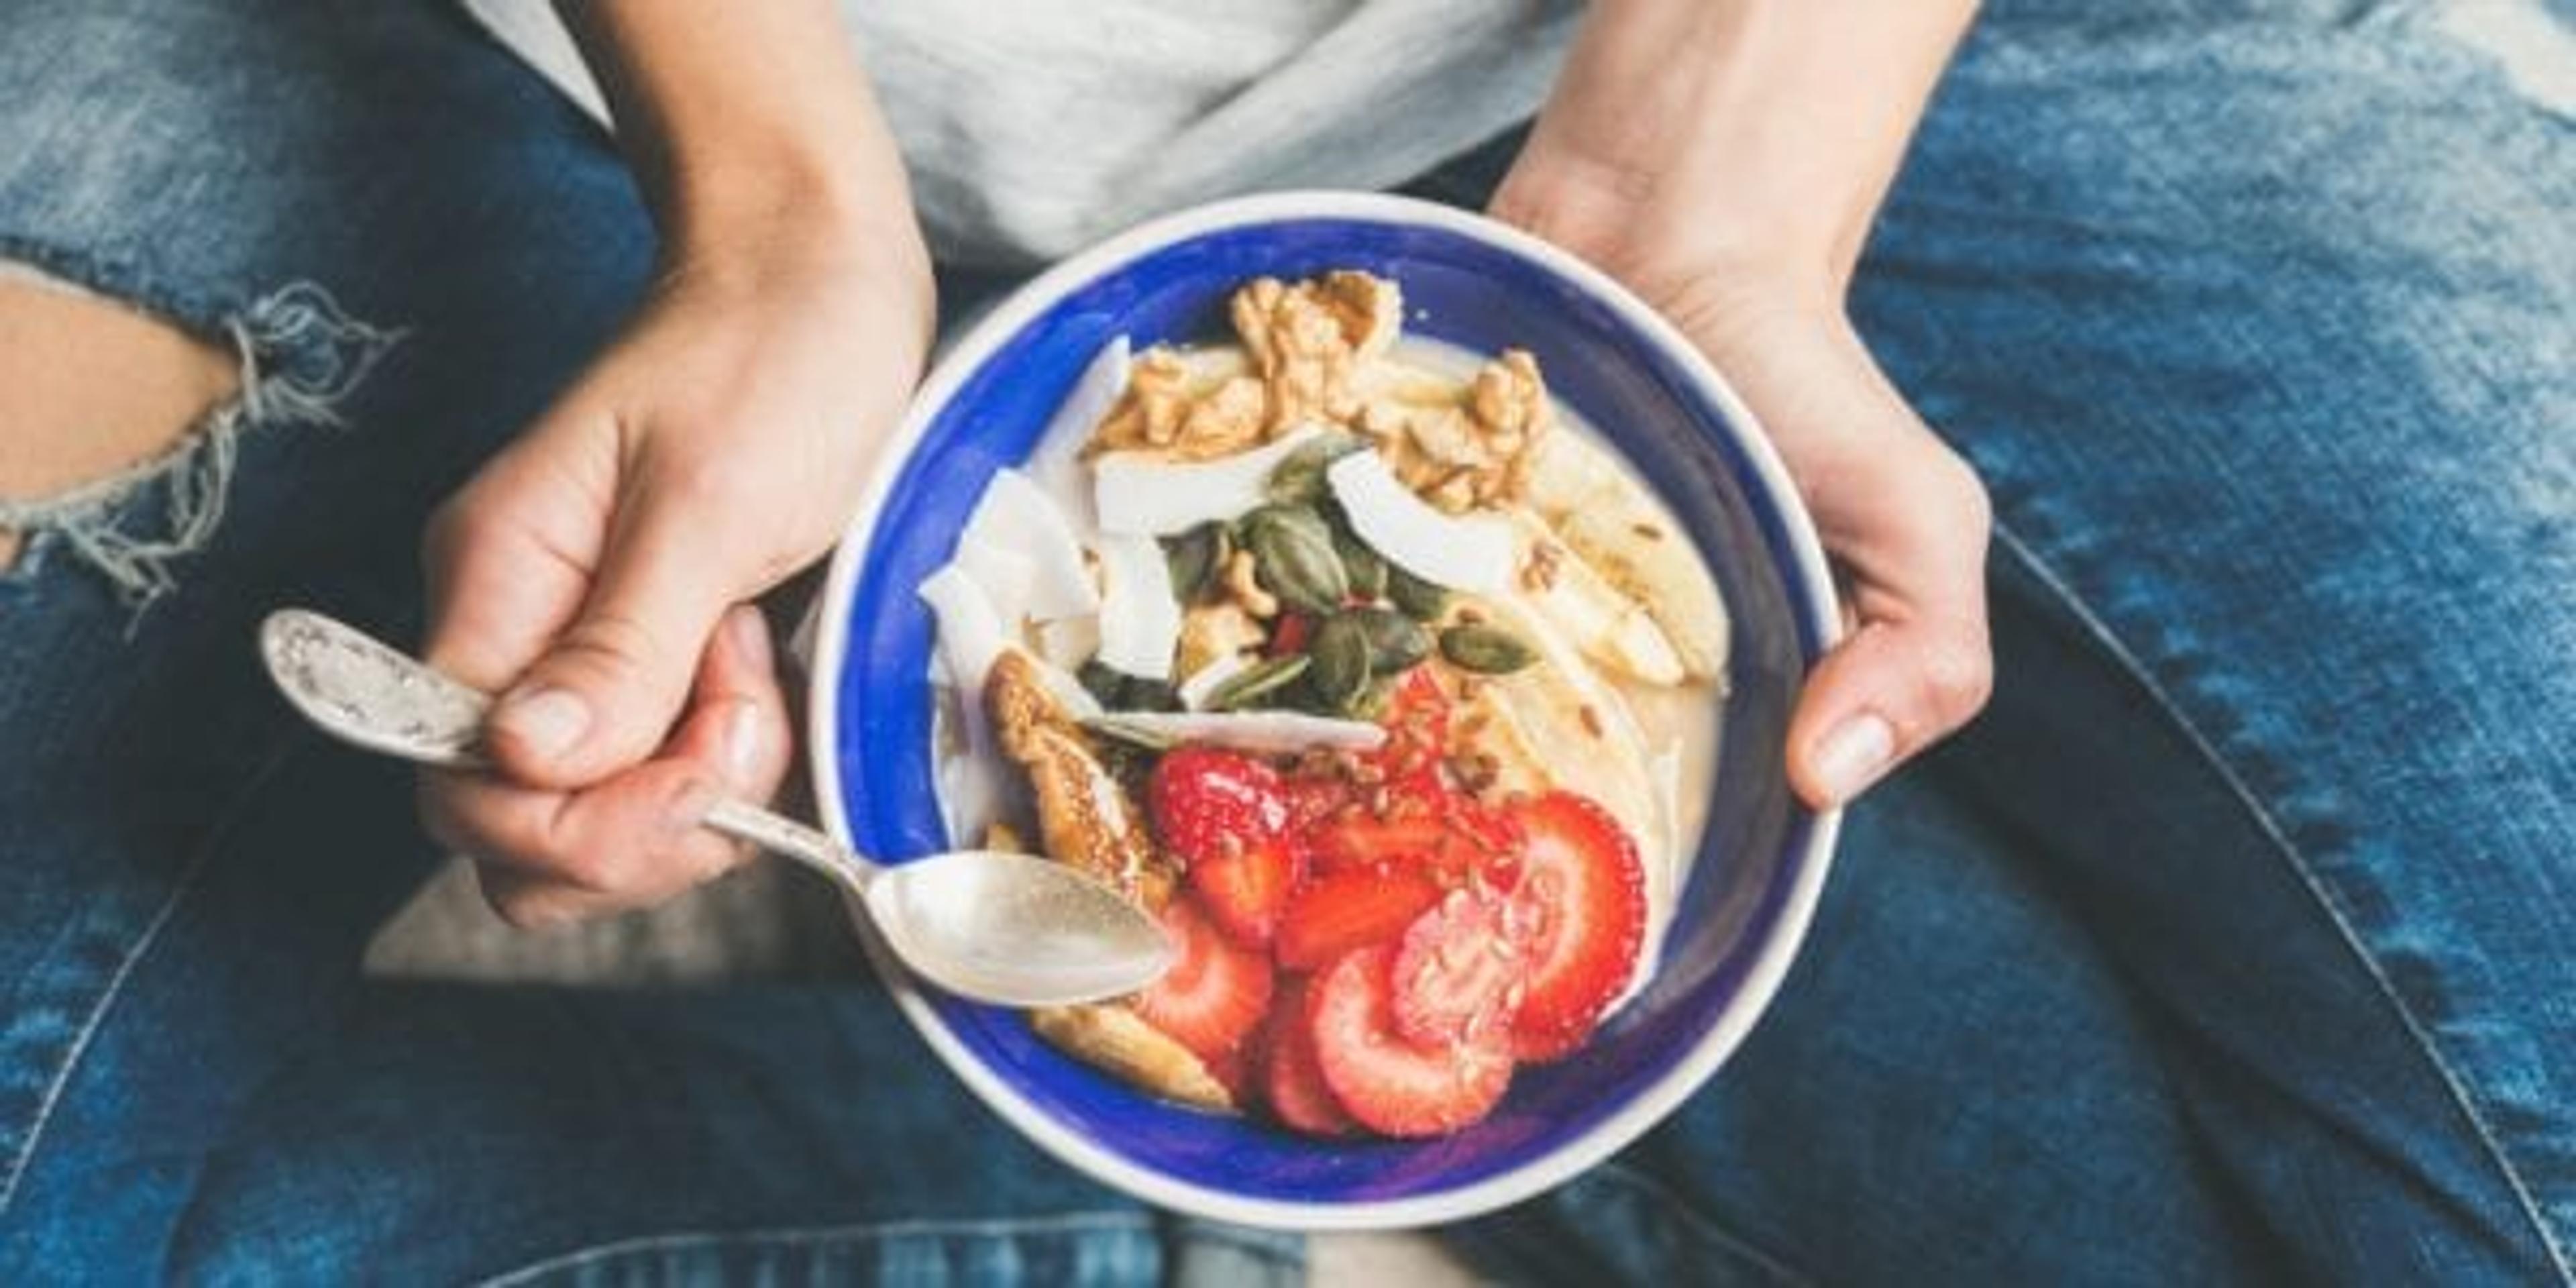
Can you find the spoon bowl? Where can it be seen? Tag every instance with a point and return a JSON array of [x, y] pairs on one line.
[[1011, 929]]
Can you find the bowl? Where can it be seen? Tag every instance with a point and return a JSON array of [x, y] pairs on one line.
[[1474, 283]]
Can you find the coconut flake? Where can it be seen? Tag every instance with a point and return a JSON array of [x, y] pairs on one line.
[[971, 633], [1140, 619], [1007, 577], [1266, 732], [1471, 553], [1070, 641], [1193, 692], [1147, 492], [1057, 462], [1016, 517]]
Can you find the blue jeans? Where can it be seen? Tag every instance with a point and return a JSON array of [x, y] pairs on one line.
[[2232, 944]]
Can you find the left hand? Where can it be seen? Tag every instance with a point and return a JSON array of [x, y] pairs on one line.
[[1903, 518]]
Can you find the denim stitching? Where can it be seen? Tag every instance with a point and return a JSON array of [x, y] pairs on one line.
[[2141, 671], [1065, 1223], [115, 985]]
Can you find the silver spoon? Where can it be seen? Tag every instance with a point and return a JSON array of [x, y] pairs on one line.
[[998, 927]]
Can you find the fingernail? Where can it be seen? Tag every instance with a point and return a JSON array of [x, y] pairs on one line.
[[742, 744], [1852, 756], [548, 721], [688, 806]]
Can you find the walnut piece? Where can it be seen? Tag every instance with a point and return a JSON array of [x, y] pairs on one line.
[[1150, 412], [1229, 420], [1307, 339], [1469, 453], [1315, 349]]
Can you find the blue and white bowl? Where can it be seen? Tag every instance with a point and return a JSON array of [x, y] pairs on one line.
[[1473, 283]]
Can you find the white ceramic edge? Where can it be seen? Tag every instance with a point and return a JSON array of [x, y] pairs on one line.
[[1762, 980]]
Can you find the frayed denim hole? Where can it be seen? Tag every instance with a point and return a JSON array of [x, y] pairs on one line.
[[299, 355]]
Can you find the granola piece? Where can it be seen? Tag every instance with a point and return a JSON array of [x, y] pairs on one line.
[[1110, 1037], [1085, 816]]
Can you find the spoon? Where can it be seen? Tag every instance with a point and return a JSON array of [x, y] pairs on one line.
[[1012, 929]]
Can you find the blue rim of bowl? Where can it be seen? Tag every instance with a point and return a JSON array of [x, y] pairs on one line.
[[1810, 589]]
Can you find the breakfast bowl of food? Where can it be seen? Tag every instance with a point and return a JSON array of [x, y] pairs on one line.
[[1409, 620]]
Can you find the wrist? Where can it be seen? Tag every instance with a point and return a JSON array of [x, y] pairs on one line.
[[1663, 241]]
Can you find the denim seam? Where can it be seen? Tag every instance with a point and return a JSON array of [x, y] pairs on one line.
[[2139, 670], [1063, 1223], [115, 985], [1699, 1222]]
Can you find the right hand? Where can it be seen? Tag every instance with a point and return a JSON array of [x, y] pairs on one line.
[[598, 573]]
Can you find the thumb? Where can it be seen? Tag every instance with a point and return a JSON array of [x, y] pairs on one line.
[[607, 690]]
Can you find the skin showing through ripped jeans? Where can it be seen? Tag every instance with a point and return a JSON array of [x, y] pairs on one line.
[[90, 388]]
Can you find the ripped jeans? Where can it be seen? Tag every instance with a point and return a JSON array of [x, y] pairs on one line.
[[2233, 944]]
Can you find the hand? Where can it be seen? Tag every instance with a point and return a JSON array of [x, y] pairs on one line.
[[1903, 518], [597, 573]]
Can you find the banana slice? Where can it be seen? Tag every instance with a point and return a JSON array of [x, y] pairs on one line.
[[1610, 518], [1609, 625], [1118, 1041], [1557, 724]]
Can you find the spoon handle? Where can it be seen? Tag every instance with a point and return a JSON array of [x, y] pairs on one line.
[[789, 839], [368, 693]]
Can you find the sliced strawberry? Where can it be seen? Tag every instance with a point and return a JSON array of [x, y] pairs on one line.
[[1355, 840], [1333, 915], [1313, 798], [1450, 834], [1454, 970], [1244, 891], [1215, 994], [1387, 1082], [1291, 1080], [1580, 907], [1233, 1069], [1206, 801]]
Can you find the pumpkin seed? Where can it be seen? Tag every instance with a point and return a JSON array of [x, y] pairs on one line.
[[1257, 681], [1101, 681], [1340, 650], [1299, 479], [1394, 641], [1420, 600], [1363, 566], [1292, 554], [1140, 694], [1480, 647], [1194, 558]]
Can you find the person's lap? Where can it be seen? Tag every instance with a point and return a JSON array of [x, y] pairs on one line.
[[2258, 334], [2074, 1004]]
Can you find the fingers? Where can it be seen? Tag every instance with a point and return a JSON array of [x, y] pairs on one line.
[[1908, 522], [608, 687], [632, 839], [1905, 522], [508, 559]]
